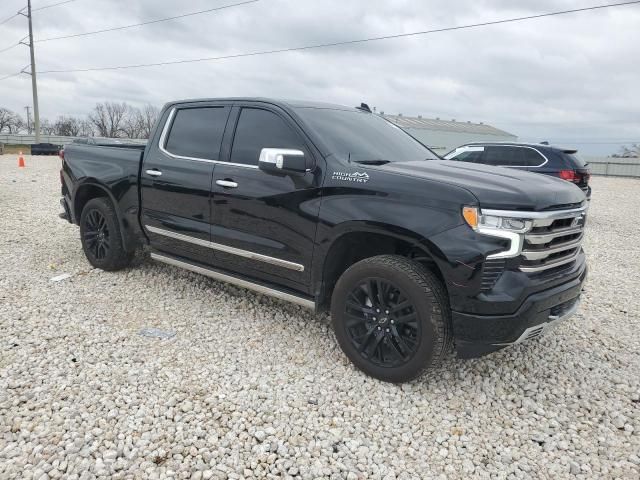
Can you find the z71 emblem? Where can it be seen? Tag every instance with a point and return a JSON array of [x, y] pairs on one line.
[[355, 177]]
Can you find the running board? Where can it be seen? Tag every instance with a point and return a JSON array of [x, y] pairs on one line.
[[223, 277]]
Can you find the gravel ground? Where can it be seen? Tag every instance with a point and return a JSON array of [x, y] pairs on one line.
[[251, 387]]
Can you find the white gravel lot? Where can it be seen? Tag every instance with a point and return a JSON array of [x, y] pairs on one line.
[[251, 387]]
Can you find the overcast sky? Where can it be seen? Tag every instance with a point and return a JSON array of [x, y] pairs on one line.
[[572, 79]]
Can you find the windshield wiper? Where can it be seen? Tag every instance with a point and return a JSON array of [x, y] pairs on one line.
[[372, 162]]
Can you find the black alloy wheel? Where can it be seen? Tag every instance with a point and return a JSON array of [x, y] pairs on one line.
[[391, 317], [96, 234], [101, 237], [382, 322]]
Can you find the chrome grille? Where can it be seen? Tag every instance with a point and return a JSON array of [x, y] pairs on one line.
[[553, 242]]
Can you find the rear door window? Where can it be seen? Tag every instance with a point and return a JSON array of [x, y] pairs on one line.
[[511, 156], [504, 156], [197, 132]]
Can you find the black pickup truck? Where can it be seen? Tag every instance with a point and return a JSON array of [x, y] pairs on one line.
[[334, 208]]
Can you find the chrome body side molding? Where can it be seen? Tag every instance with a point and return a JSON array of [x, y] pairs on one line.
[[227, 249], [223, 277]]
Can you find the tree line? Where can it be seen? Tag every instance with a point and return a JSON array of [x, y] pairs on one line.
[[108, 119], [628, 152]]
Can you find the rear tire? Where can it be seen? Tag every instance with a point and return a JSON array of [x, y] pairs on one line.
[[391, 317], [101, 237]]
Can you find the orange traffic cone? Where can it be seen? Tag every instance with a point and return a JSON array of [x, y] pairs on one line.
[[21, 161]]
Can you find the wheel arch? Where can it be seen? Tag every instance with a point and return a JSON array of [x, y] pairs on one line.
[[355, 241], [93, 189]]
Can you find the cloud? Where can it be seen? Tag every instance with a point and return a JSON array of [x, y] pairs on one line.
[[569, 77]]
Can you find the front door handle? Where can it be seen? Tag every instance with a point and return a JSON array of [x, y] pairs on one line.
[[226, 183], [154, 173]]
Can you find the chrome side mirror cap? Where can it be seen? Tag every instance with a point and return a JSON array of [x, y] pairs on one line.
[[282, 159]]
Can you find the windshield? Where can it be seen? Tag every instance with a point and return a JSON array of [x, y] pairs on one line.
[[363, 136]]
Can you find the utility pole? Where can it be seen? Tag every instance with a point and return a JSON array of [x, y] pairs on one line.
[[28, 109], [34, 83]]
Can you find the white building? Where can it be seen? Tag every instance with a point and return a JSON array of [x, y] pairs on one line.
[[443, 136]]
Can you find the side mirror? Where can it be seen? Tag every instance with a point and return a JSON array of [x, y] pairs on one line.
[[282, 160]]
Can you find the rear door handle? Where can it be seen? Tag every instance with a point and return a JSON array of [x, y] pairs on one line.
[[226, 183], [154, 173]]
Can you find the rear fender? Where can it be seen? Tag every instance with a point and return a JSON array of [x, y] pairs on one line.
[[86, 191]]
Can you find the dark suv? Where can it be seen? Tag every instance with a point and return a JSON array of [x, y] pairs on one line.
[[532, 157]]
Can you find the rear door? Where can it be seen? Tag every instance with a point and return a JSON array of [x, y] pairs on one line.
[[176, 179], [264, 223], [500, 156]]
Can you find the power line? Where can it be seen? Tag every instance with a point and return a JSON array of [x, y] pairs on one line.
[[12, 75], [347, 42], [20, 12], [9, 18], [10, 47], [34, 10], [127, 26], [52, 5], [149, 22]]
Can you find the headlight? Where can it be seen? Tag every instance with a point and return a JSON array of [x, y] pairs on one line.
[[476, 220], [505, 223], [510, 228]]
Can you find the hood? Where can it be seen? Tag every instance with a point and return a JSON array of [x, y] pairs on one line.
[[495, 187]]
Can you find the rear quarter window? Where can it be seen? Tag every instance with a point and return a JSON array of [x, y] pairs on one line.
[[531, 158], [574, 160]]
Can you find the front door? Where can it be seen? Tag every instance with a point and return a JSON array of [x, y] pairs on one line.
[[176, 180], [264, 224]]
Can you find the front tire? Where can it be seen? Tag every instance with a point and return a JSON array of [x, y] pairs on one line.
[[391, 317], [100, 236]]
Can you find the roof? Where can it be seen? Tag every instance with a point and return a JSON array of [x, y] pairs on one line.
[[540, 146], [420, 123], [275, 101]]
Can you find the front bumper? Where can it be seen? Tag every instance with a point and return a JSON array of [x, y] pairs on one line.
[[476, 335]]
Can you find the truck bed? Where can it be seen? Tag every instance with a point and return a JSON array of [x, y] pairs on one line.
[[112, 163], [114, 170]]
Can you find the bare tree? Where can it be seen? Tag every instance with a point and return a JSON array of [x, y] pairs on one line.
[[16, 125], [109, 118], [626, 152], [133, 123], [149, 118], [10, 121], [139, 123], [86, 128], [46, 127], [5, 118], [68, 126]]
